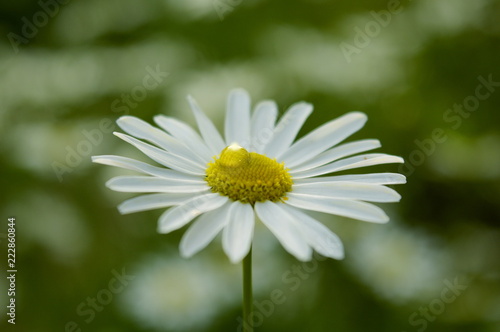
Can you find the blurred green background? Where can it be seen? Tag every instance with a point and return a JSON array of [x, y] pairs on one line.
[[419, 69]]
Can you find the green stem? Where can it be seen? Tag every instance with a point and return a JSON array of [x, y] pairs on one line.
[[247, 293]]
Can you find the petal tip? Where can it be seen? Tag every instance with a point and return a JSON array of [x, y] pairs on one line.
[[384, 220], [161, 229], [186, 254], [304, 258], [159, 117], [126, 120], [304, 105], [110, 182], [340, 256], [240, 91], [235, 260], [358, 114]]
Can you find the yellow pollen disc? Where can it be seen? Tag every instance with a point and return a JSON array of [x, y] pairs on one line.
[[248, 177]]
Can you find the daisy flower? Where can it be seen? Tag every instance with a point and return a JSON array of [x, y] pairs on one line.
[[257, 171]]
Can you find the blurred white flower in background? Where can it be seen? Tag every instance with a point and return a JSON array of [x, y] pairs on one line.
[[399, 264], [468, 158], [186, 295], [87, 20], [179, 295], [51, 222]]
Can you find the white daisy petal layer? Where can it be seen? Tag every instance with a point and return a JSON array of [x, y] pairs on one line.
[[207, 129], [349, 190], [338, 152], [323, 138], [237, 126], [349, 163], [237, 235], [341, 207], [163, 157], [317, 235], [143, 130], [287, 129], [149, 184], [204, 230], [374, 178], [184, 133], [262, 125], [152, 201], [139, 166], [277, 220], [179, 216]]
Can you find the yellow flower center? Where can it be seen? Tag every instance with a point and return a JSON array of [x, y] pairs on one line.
[[248, 177]]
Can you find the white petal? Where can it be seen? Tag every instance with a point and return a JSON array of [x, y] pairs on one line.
[[337, 152], [262, 125], [349, 190], [143, 130], [155, 185], [179, 216], [341, 207], [207, 129], [317, 235], [152, 201], [349, 163], [287, 129], [237, 235], [163, 157], [204, 230], [277, 220], [184, 133], [139, 166], [374, 178], [237, 126], [323, 138]]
